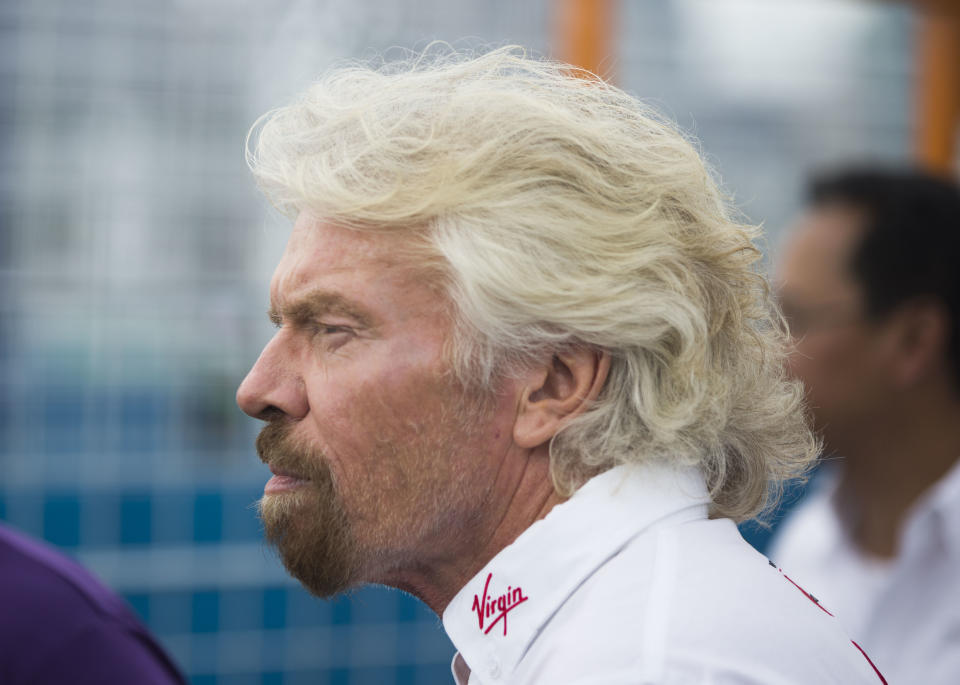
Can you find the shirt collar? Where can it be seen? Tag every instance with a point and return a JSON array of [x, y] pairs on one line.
[[496, 616], [933, 518], [940, 505]]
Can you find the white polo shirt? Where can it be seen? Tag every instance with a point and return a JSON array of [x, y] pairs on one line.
[[905, 611], [630, 582]]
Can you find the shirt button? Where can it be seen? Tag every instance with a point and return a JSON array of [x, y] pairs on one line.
[[493, 667]]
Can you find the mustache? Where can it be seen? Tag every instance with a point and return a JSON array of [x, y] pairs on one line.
[[278, 450]]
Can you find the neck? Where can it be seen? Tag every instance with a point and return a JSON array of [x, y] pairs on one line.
[[889, 467], [521, 495]]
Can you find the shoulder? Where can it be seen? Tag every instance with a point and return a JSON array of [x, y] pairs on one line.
[[807, 541], [36, 575], [57, 615], [695, 602]]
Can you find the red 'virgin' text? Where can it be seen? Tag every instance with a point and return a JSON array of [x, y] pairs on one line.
[[496, 607]]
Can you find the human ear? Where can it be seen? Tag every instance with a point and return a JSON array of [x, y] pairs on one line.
[[922, 332], [562, 388]]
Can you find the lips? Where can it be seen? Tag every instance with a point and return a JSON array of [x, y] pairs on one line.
[[283, 483], [284, 473]]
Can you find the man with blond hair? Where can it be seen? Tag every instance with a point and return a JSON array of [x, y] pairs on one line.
[[525, 371]]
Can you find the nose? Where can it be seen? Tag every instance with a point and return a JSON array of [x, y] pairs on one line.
[[273, 385]]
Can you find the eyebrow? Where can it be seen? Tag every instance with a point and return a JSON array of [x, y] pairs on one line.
[[317, 304]]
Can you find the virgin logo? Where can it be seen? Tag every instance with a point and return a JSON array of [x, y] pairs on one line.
[[496, 607]]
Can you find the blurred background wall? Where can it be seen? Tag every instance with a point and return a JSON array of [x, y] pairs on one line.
[[135, 255]]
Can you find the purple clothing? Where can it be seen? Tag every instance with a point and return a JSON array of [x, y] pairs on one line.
[[58, 624]]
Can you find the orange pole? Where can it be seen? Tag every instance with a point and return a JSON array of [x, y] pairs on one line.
[[583, 31], [938, 87]]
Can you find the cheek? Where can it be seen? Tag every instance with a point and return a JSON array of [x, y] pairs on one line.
[[362, 411], [818, 359], [837, 373], [345, 421]]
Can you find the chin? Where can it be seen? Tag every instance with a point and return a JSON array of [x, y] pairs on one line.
[[314, 539]]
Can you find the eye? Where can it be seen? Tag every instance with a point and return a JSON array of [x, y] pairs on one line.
[[329, 329], [332, 336]]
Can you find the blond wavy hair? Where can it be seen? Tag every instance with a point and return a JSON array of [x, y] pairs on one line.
[[557, 210]]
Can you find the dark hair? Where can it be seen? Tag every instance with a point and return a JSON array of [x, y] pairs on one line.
[[911, 243]]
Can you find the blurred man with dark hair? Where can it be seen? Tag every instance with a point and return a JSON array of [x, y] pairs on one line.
[[870, 284]]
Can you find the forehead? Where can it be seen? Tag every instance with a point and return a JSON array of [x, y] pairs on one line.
[[817, 254], [317, 247], [322, 254]]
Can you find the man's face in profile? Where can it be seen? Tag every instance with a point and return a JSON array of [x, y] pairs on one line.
[[380, 456], [836, 351]]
